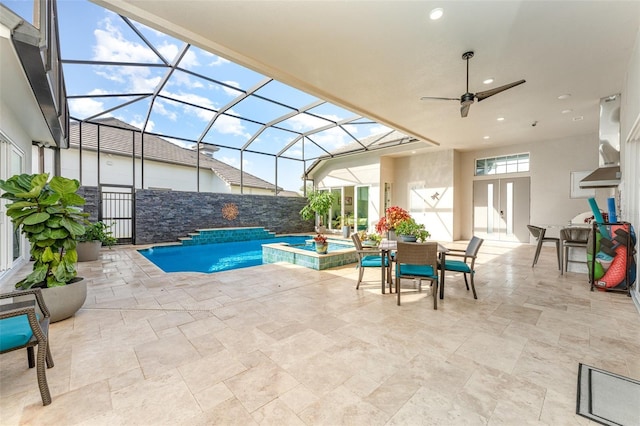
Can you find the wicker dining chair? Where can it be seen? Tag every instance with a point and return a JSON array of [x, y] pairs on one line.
[[368, 258], [22, 326], [418, 261]]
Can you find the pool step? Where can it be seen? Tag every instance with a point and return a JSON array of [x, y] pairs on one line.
[[224, 235]]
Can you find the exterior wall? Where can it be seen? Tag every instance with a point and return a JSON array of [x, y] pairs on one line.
[[417, 179], [361, 170], [12, 134], [165, 216], [550, 165], [118, 170], [458, 201], [92, 202]]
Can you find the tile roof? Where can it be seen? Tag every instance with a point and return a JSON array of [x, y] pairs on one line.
[[117, 141]]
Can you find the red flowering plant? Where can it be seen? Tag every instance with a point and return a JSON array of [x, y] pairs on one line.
[[393, 216], [320, 239]]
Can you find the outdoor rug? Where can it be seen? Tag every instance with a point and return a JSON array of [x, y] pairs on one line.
[[608, 398]]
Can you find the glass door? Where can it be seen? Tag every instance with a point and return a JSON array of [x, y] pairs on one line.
[[362, 209]]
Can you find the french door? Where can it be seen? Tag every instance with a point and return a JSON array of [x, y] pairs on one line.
[[501, 209]]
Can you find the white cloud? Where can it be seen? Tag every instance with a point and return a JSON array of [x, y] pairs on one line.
[[182, 79], [230, 126], [168, 51], [85, 107], [331, 138], [230, 161], [112, 46], [305, 122], [159, 107], [376, 130], [229, 91], [139, 122], [190, 60], [217, 61]]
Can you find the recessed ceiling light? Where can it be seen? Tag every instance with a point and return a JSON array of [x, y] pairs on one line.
[[567, 111], [486, 137], [565, 96], [436, 14], [500, 118], [488, 81], [578, 118]]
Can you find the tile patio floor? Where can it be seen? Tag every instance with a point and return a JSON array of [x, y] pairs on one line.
[[284, 345]]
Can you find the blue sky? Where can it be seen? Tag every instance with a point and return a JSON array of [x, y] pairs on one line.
[[92, 33]]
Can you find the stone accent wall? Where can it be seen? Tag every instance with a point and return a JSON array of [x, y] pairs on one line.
[[165, 216], [90, 194]]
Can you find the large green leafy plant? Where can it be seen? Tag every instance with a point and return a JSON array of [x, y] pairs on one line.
[[318, 202], [49, 215]]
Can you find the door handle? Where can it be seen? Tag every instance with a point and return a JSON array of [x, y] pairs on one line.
[[501, 213]]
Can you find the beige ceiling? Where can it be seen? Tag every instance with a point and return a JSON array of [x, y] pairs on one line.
[[377, 58]]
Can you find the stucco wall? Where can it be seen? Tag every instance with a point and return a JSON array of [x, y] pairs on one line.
[[424, 184], [550, 165], [165, 216]]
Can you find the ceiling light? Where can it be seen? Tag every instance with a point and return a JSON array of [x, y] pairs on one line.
[[486, 137], [436, 14], [488, 81], [567, 111], [565, 96], [500, 119]]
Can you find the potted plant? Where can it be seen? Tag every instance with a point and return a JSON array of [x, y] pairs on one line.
[[96, 235], [321, 244], [48, 213], [410, 230], [387, 224], [318, 204], [369, 239]]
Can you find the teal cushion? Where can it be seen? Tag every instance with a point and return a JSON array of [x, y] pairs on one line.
[[373, 261], [456, 265], [14, 332], [416, 270]]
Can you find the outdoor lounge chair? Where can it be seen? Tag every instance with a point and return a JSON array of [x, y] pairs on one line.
[[22, 326]]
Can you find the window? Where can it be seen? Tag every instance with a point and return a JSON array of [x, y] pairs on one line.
[[516, 163]]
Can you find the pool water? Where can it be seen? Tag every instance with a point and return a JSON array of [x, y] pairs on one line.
[[310, 246], [209, 258]]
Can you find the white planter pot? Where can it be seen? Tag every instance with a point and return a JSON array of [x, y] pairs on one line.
[[64, 301], [88, 250]]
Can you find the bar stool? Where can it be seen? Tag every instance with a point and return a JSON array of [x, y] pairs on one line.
[[538, 233], [573, 237]]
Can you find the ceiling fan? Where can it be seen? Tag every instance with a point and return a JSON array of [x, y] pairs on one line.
[[468, 98]]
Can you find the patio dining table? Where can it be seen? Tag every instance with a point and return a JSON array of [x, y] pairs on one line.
[[388, 246]]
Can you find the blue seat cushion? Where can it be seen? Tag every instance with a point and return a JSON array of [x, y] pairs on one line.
[[373, 261], [416, 270], [14, 332], [456, 265]]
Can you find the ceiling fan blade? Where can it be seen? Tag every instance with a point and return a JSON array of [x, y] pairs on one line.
[[484, 95], [426, 98], [464, 109]]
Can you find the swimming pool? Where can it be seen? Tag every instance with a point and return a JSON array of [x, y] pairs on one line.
[[209, 258]]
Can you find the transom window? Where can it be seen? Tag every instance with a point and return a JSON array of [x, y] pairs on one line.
[[516, 163]]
